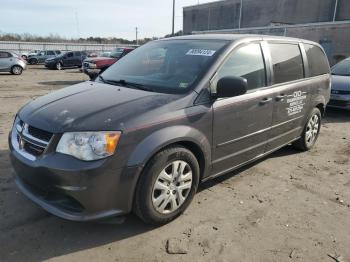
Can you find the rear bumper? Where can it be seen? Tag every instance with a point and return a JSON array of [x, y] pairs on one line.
[[73, 189]]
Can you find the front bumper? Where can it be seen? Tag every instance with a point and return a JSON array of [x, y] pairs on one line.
[[73, 189], [339, 101], [50, 64]]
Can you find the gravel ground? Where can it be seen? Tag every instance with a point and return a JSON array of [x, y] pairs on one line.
[[290, 206]]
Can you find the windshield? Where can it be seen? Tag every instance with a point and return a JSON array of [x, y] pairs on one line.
[[342, 68], [169, 66], [117, 53]]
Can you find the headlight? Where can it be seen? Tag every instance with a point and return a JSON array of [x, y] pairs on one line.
[[92, 65], [89, 145]]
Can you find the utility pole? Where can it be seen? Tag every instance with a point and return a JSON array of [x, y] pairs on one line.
[[240, 15], [173, 30], [137, 32], [335, 10]]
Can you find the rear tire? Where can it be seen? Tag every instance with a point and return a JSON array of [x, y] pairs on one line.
[[167, 185], [16, 70], [33, 61], [311, 131]]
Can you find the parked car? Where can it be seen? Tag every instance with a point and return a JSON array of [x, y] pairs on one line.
[[340, 97], [94, 66], [12, 62], [105, 54], [25, 55], [171, 114], [42, 56], [69, 59]]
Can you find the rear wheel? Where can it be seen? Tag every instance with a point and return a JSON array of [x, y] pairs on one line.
[[16, 70], [167, 185], [33, 61], [310, 132]]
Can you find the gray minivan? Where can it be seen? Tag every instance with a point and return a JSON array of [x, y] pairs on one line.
[[171, 114]]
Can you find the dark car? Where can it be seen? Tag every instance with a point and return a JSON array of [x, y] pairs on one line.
[[40, 57], [96, 65], [171, 114], [66, 60], [340, 94]]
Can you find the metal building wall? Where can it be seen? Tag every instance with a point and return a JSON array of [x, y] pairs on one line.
[[334, 37], [226, 14]]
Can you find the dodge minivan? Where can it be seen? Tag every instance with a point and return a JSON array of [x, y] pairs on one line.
[[173, 113]]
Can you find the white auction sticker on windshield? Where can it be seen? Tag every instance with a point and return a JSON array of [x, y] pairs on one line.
[[201, 52]]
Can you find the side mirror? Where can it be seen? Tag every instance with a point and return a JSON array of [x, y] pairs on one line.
[[231, 86]]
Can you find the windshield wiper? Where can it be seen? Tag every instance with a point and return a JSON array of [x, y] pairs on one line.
[[122, 82], [101, 78]]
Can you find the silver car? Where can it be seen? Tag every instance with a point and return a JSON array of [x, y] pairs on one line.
[[340, 94], [12, 62]]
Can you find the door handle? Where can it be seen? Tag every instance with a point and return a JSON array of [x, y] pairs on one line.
[[280, 97], [265, 100]]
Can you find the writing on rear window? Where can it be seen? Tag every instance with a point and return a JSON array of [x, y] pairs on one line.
[[201, 52]]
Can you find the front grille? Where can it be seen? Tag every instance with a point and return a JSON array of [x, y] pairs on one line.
[[31, 140], [39, 133], [33, 149], [340, 103]]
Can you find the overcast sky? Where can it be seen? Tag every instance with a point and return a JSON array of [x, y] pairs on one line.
[[83, 18]]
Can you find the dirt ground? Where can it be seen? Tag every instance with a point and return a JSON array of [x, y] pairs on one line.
[[290, 206]]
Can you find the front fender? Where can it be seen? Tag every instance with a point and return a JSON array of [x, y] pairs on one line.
[[167, 136]]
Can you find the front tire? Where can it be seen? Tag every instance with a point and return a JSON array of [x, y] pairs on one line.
[[311, 131], [167, 185], [58, 66]]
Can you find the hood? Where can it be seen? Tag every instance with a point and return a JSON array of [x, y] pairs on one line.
[[96, 59], [341, 83], [93, 106]]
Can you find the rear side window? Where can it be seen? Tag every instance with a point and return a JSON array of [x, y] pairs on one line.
[[287, 62], [77, 54], [50, 53], [246, 62], [318, 63], [4, 55]]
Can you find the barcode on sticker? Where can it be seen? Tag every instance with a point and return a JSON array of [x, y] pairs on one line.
[[202, 52]]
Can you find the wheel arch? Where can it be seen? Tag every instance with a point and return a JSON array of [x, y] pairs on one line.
[[190, 138], [17, 65], [322, 108]]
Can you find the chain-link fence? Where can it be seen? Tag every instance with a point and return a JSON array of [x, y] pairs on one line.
[[21, 47]]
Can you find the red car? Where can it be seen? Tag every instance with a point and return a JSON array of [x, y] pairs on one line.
[[95, 65]]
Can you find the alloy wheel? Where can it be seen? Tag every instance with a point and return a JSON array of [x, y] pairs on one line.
[[172, 187], [17, 70], [312, 129]]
